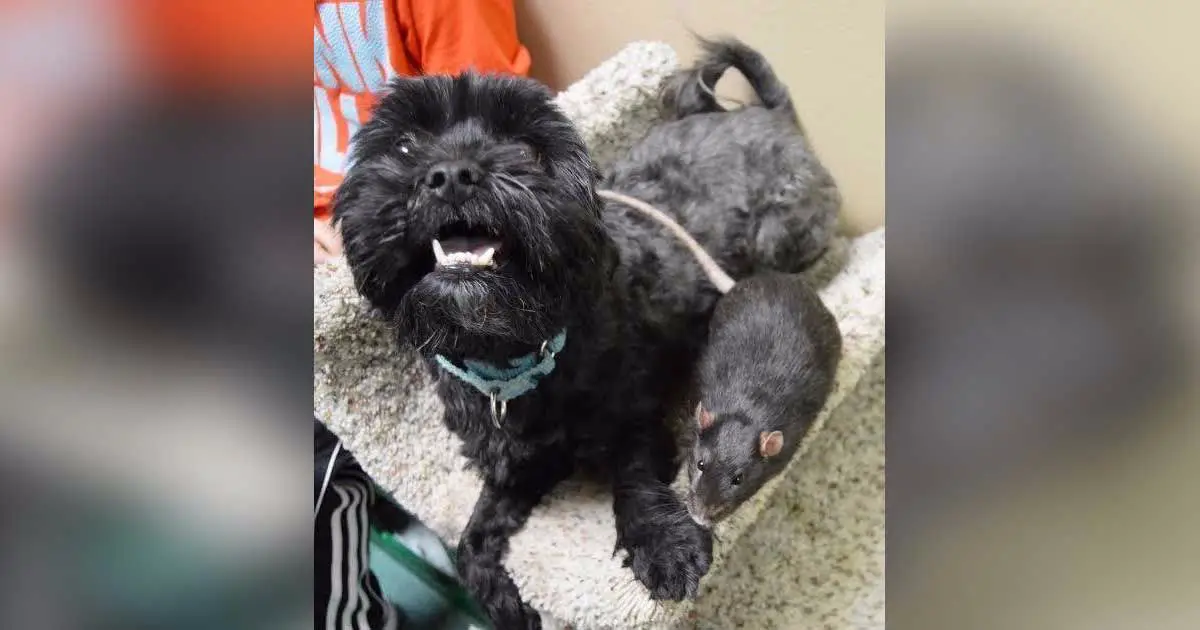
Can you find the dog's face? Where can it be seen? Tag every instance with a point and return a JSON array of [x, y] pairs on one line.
[[469, 212]]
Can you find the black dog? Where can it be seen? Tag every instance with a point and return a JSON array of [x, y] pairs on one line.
[[561, 334]]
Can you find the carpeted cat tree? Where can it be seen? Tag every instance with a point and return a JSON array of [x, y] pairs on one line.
[[379, 401]]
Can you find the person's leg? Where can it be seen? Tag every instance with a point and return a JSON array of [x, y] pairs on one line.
[[346, 594]]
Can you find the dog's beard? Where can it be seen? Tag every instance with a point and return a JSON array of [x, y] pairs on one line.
[[542, 245], [448, 305]]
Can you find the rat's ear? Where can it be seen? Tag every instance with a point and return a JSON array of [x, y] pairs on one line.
[[704, 419], [769, 444]]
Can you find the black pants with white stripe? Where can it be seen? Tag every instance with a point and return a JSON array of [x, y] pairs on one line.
[[347, 595]]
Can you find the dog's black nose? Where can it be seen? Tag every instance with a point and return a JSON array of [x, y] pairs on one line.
[[454, 179]]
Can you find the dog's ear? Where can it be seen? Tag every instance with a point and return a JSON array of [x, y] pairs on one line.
[[575, 169], [610, 260], [382, 280], [769, 444], [704, 419]]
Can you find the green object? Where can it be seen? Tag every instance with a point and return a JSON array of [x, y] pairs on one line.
[[425, 594]]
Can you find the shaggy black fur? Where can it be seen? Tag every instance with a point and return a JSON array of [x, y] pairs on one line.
[[633, 301], [745, 183]]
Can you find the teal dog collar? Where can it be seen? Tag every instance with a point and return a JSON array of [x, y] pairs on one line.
[[502, 384]]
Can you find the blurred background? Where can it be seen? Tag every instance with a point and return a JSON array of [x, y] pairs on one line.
[[1042, 436], [155, 315]]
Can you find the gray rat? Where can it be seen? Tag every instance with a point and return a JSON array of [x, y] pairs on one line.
[[766, 372], [772, 355]]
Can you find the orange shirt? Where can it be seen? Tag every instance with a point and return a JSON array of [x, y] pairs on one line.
[[207, 44], [358, 45]]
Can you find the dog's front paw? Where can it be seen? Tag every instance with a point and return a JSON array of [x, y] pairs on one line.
[[496, 593], [670, 558], [522, 616]]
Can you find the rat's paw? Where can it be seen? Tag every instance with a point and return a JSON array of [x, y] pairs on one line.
[[670, 558]]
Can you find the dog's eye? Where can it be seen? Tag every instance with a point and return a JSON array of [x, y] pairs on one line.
[[531, 153], [404, 144], [700, 465], [737, 480]]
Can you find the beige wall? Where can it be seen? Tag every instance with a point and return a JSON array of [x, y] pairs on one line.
[[829, 52], [1142, 55]]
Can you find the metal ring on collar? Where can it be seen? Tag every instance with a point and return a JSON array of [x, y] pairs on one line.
[[499, 409]]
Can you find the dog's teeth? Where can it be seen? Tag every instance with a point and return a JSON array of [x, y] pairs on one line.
[[439, 253], [450, 259]]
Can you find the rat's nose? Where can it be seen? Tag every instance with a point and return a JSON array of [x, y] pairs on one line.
[[454, 180]]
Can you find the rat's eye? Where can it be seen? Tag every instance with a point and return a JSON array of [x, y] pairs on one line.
[[700, 465], [737, 480]]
